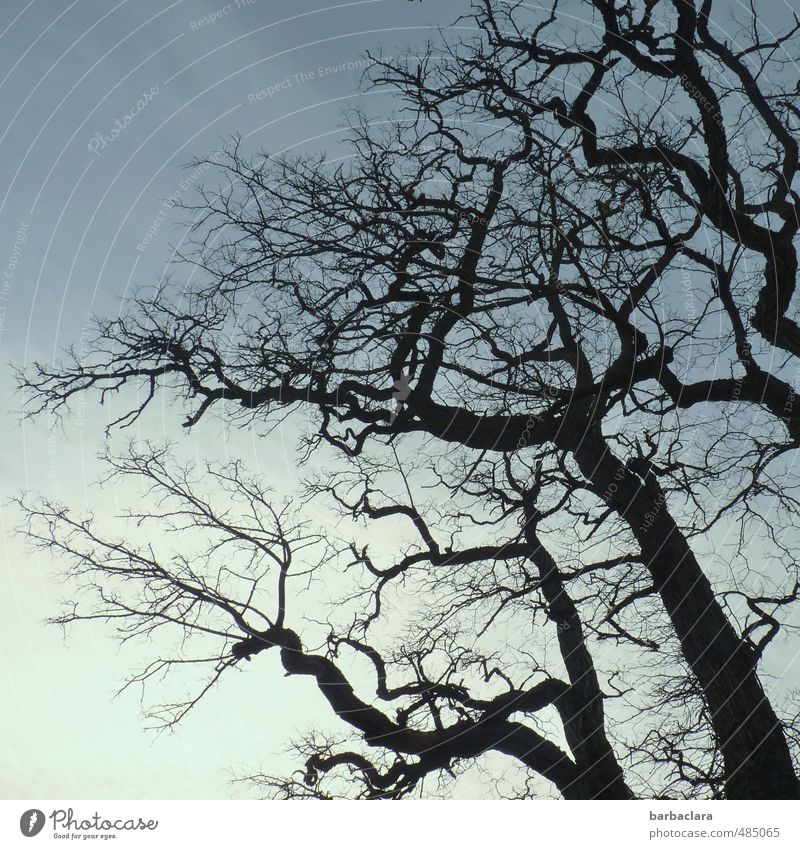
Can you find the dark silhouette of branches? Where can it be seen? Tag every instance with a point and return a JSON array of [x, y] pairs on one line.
[[546, 322]]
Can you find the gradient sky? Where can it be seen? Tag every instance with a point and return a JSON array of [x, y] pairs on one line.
[[72, 213]]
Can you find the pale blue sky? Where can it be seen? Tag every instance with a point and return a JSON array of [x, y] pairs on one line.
[[71, 219]]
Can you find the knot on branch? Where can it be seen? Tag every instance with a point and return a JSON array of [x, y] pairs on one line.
[[245, 649]]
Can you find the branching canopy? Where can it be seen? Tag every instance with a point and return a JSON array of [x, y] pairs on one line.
[[545, 320]]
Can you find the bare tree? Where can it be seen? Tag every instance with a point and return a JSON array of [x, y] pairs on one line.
[[544, 320]]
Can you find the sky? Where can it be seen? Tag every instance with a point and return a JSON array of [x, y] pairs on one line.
[[85, 218], [104, 103]]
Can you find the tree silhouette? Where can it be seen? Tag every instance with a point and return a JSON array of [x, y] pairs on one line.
[[543, 321]]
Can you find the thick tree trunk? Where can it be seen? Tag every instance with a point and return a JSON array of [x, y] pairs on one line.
[[756, 755]]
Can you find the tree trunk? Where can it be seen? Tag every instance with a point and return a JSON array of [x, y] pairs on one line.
[[582, 704], [756, 756]]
